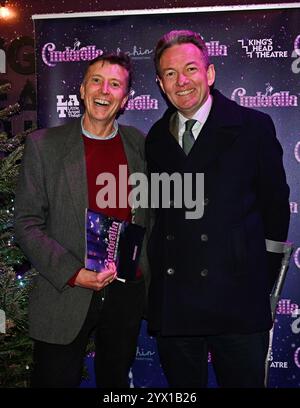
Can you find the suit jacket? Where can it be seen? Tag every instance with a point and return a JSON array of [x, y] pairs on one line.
[[51, 198], [211, 275]]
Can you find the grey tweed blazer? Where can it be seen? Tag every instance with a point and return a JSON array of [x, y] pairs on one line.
[[51, 198]]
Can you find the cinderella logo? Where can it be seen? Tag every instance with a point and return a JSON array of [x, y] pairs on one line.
[[141, 102], [51, 56], [267, 99]]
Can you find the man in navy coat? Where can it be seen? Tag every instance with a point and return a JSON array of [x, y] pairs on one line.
[[212, 276]]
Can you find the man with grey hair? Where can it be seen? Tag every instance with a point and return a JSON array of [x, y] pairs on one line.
[[212, 276]]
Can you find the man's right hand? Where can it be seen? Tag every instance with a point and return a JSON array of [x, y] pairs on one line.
[[94, 280]]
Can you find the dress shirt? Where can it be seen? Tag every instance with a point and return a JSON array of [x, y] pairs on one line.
[[200, 116]]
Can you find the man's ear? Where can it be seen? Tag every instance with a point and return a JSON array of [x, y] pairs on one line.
[[124, 101], [159, 81], [82, 91], [211, 74]]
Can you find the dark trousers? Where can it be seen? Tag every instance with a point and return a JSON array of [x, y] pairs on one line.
[[238, 360], [116, 322]]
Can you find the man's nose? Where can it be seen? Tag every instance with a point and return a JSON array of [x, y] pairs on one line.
[[105, 87], [182, 80]]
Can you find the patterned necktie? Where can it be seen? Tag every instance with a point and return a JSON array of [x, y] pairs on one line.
[[188, 137]]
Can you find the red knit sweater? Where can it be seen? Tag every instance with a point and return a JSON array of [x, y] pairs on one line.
[[105, 156]]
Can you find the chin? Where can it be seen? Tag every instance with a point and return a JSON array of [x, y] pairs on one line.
[[188, 109]]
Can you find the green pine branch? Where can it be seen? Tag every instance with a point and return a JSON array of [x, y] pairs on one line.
[[9, 168], [15, 344], [12, 143], [9, 111]]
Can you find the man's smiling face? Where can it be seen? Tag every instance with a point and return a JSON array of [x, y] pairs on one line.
[[184, 78], [104, 92]]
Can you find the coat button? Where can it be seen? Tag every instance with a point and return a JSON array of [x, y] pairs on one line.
[[170, 237], [204, 273], [170, 271], [204, 237], [206, 201]]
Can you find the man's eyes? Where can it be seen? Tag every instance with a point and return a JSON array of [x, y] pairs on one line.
[[172, 74], [191, 69], [113, 84], [169, 74]]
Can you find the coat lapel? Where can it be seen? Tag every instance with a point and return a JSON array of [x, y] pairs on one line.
[[133, 155], [174, 126], [218, 133], [75, 166], [136, 164], [75, 170], [167, 153]]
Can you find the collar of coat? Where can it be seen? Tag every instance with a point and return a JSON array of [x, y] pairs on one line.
[[221, 129]]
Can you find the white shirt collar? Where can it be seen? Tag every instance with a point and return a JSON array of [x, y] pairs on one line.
[[200, 116]]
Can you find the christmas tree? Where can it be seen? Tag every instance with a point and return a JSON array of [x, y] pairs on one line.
[[15, 272]]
